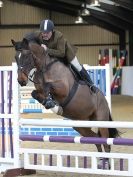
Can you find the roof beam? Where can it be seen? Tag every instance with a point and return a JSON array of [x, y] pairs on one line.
[[127, 1], [36, 26], [111, 20], [72, 2], [118, 12], [66, 4], [58, 6], [124, 4], [102, 24], [51, 6]]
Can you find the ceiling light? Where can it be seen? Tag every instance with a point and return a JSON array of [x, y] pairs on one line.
[[1, 3], [94, 8], [95, 3], [79, 19], [85, 12], [108, 2]]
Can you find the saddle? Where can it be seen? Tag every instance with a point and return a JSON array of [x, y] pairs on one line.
[[80, 79], [75, 73]]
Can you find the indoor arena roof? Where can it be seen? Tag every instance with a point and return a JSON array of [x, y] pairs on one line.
[[114, 15]]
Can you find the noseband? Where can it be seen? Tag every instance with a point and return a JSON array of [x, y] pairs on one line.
[[21, 66]]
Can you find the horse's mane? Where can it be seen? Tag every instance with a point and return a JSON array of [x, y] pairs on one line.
[[39, 51], [36, 49]]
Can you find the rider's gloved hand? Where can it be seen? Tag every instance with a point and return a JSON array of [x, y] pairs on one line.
[[44, 46]]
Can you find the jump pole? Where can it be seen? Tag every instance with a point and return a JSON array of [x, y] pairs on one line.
[[78, 140], [10, 163], [77, 123]]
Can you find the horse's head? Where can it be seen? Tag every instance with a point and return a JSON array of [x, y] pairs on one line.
[[25, 58]]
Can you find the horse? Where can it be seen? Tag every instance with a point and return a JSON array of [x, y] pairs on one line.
[[75, 97]]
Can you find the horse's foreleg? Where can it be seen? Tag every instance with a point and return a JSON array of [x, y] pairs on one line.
[[36, 94], [41, 94]]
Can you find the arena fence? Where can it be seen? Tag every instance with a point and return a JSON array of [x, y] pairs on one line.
[[19, 161]]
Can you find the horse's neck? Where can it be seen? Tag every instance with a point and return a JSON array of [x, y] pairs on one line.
[[39, 55], [58, 75], [61, 78], [46, 60]]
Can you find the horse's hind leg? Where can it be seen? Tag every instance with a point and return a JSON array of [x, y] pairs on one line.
[[104, 133], [87, 132]]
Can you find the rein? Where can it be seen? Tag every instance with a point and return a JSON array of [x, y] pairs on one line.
[[47, 67]]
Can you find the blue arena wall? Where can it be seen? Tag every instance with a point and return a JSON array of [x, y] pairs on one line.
[[60, 131]]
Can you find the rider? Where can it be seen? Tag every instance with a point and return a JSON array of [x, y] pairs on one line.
[[57, 46]]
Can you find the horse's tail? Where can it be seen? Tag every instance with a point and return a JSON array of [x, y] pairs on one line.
[[113, 132]]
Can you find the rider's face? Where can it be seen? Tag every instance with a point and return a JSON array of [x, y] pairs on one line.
[[46, 35]]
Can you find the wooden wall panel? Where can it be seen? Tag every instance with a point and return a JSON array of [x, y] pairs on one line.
[[16, 13], [89, 38]]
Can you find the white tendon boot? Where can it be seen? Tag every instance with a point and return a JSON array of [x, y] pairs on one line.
[[57, 109]]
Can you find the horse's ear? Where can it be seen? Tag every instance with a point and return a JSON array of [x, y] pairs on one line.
[[25, 42], [13, 42]]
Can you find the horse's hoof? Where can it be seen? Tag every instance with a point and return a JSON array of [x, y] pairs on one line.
[[104, 164], [49, 104], [34, 94]]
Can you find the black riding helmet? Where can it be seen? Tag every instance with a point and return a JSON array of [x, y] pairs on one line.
[[46, 26]]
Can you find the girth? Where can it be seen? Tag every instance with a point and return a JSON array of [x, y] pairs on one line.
[[70, 95]]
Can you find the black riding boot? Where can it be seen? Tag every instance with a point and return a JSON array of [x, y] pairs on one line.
[[86, 77]]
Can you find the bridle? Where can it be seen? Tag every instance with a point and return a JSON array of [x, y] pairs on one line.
[[21, 67], [44, 68]]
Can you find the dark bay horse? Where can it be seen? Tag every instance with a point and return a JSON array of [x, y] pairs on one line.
[[53, 76]]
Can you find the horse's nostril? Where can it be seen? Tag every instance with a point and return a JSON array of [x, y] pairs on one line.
[[22, 83]]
